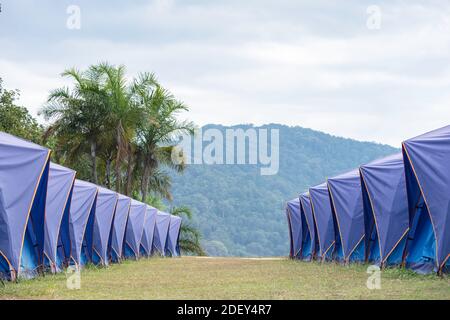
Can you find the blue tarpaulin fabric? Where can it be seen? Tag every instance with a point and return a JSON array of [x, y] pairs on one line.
[[427, 169], [295, 227], [149, 230], [347, 205], [59, 194], [23, 187], [82, 209], [104, 213], [172, 244], [323, 215], [134, 229], [310, 243], [119, 226], [161, 230], [386, 210], [291, 240]]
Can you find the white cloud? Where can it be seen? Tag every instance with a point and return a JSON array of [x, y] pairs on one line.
[[298, 63], [34, 82]]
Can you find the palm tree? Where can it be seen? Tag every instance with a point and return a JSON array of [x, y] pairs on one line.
[[155, 138], [189, 235], [123, 114], [127, 115], [125, 127], [78, 116]]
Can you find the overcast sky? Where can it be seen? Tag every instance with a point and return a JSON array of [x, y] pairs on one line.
[[334, 66]]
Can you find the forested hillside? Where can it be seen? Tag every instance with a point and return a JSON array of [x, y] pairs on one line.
[[240, 212]]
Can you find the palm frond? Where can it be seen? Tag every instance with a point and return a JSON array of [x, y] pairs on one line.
[[182, 211]]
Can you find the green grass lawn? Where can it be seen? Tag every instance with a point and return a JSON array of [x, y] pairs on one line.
[[230, 278]]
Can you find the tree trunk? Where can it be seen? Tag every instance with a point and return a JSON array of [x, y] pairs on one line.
[[94, 162], [108, 173], [130, 168], [144, 181], [118, 159], [117, 170]]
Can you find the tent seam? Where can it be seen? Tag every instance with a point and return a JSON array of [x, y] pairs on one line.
[[29, 209], [426, 202], [373, 214], [337, 219]]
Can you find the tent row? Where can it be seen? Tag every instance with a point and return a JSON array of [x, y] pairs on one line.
[[50, 220], [392, 211]]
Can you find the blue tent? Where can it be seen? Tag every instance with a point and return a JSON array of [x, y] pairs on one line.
[[309, 239], [347, 205], [23, 187], [104, 214], [59, 195], [427, 169], [149, 230], [118, 229], [385, 210], [161, 230], [295, 227], [173, 238], [81, 218], [323, 215], [134, 230]]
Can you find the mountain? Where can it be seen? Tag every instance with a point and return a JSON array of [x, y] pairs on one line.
[[241, 212]]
